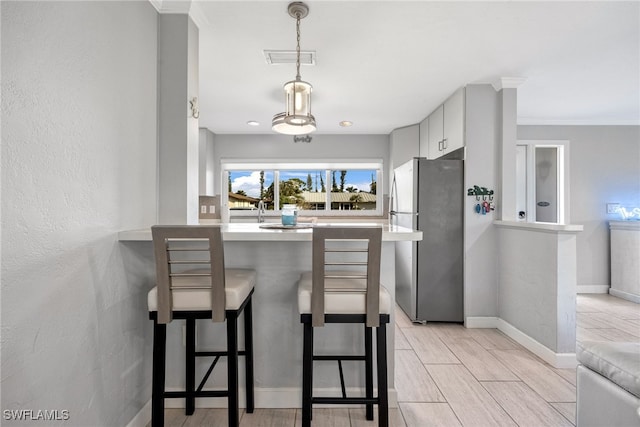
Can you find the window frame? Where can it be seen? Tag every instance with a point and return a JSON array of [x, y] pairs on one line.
[[326, 165]]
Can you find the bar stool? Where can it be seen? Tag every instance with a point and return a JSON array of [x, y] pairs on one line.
[[207, 292], [344, 287]]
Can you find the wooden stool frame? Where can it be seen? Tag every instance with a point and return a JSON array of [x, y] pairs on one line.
[[165, 314], [370, 319]]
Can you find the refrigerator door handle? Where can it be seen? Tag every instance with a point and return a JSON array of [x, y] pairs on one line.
[[402, 213], [394, 192]]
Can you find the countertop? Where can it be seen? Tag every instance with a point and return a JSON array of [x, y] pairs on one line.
[[239, 232], [624, 225]]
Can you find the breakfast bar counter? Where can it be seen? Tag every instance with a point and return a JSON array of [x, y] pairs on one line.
[[235, 232], [279, 257]]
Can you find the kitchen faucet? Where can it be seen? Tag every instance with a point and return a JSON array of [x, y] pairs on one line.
[[261, 211]]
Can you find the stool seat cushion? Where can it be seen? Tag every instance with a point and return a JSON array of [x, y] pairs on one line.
[[341, 296], [617, 361], [238, 286]]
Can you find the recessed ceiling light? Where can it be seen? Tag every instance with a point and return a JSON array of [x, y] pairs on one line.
[[346, 123], [253, 123]]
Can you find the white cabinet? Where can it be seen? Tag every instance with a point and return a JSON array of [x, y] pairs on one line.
[[424, 138], [454, 122], [446, 126], [436, 133], [405, 144]]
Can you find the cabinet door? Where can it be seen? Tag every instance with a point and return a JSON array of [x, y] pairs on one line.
[[424, 138], [435, 133], [405, 144], [454, 122]]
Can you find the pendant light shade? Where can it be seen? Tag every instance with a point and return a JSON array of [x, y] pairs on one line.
[[297, 118]]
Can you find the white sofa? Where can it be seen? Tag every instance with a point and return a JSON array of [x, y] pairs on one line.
[[608, 384]]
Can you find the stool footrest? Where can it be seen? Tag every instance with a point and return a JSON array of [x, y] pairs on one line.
[[217, 353], [338, 357], [344, 400], [203, 393]]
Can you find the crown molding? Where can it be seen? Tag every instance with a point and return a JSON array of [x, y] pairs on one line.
[[532, 121], [198, 16], [194, 10], [508, 83], [171, 6]]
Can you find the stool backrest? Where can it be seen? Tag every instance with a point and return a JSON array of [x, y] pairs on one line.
[[338, 248], [189, 257]]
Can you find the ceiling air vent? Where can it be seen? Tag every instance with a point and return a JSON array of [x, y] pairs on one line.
[[274, 57]]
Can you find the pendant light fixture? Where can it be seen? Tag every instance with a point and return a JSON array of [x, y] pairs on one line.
[[297, 119]]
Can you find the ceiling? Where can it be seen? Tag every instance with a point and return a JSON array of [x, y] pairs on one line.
[[388, 64]]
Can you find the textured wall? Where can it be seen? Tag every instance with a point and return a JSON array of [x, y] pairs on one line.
[[480, 280], [537, 285], [78, 165], [177, 131], [604, 168]]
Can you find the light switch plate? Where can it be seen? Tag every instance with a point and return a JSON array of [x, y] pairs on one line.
[[613, 208]]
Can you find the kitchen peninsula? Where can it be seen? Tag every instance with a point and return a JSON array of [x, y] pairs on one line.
[[278, 256]]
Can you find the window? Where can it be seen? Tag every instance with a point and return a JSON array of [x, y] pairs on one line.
[[353, 189], [541, 191], [327, 188], [245, 188]]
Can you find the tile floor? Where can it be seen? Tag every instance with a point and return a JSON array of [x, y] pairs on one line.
[[447, 375]]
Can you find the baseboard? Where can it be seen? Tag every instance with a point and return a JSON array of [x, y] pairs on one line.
[[592, 289], [625, 295], [481, 322], [557, 360], [143, 417]]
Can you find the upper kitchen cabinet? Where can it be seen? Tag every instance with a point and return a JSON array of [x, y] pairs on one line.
[[405, 144], [435, 137], [446, 126], [424, 138]]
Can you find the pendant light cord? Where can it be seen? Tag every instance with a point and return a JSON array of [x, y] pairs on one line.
[[298, 46]]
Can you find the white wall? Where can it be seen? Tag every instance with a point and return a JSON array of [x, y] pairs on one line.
[[338, 147], [78, 165], [605, 168], [206, 162]]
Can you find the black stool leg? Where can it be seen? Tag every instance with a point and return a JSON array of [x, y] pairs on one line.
[[307, 373], [190, 368], [368, 353], [232, 366], [383, 392], [159, 362], [248, 360]]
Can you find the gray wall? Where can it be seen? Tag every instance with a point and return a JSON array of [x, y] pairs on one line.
[[78, 165], [282, 147], [605, 168], [177, 133], [480, 292]]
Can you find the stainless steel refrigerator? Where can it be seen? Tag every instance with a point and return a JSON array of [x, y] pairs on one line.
[[428, 195]]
